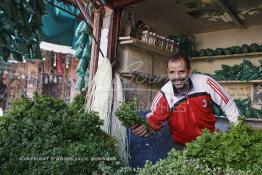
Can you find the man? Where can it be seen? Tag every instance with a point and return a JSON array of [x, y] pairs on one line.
[[184, 102]]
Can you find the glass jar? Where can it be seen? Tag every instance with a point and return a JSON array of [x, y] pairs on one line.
[[161, 42], [154, 39], [144, 36], [172, 46], [168, 45], [158, 41], [164, 42], [150, 38], [176, 48]]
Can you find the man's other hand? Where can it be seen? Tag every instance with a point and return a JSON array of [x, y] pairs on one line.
[[217, 130], [140, 130]]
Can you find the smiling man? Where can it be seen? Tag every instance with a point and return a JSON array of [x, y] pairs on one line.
[[185, 102]]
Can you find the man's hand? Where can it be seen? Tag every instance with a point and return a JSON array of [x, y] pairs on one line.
[[216, 130], [140, 130]]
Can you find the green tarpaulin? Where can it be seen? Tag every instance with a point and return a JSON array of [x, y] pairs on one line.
[[58, 25]]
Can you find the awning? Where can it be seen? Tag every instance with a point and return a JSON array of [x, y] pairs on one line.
[[56, 48], [59, 26]]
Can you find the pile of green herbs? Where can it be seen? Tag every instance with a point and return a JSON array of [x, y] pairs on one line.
[[47, 136], [238, 151]]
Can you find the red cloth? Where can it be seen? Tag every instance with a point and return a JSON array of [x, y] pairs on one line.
[[59, 64]]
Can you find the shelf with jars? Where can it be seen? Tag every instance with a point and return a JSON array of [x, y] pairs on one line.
[[151, 42]]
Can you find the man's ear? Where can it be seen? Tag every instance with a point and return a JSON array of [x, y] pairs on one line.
[[190, 71], [167, 67]]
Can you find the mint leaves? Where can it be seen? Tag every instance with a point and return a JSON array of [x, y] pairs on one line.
[[238, 151]]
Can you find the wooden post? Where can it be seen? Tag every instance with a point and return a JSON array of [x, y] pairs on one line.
[[113, 34], [98, 18]]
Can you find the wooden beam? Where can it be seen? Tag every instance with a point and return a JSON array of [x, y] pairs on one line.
[[113, 34], [96, 3], [98, 19], [228, 11], [87, 17], [120, 4]]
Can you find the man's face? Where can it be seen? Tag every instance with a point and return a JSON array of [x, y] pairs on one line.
[[178, 73]]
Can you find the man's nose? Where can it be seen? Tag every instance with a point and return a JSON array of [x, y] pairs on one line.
[[176, 75]]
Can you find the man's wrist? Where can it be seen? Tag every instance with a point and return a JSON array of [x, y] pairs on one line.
[[149, 133]]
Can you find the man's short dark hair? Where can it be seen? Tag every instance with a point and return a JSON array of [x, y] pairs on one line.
[[178, 56]]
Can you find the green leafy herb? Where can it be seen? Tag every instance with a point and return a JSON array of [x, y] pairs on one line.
[[127, 113], [47, 136], [238, 151]]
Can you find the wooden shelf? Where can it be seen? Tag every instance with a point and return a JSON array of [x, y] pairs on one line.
[[211, 58], [142, 77], [240, 82], [139, 44], [152, 78]]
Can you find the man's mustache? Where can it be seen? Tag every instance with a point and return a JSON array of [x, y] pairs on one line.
[[178, 79], [181, 79]]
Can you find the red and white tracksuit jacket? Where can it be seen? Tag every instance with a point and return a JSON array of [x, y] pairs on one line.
[[189, 114]]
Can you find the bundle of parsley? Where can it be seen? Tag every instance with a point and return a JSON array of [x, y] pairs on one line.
[[127, 113]]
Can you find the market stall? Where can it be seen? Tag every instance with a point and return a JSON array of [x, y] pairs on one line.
[[121, 48], [138, 36], [214, 41], [223, 43], [54, 76]]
